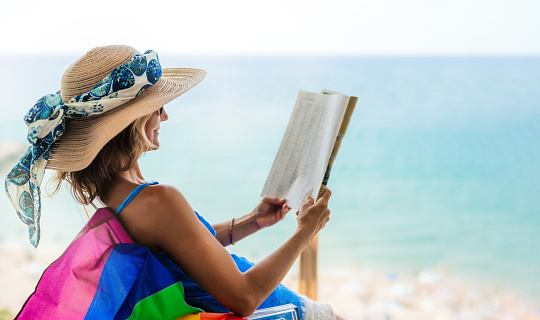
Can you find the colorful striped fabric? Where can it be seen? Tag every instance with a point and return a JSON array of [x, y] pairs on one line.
[[104, 275], [211, 316]]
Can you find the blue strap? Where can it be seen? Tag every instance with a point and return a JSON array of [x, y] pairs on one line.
[[132, 195]]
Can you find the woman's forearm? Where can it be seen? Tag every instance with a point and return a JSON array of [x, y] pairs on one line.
[[230, 232], [264, 277]]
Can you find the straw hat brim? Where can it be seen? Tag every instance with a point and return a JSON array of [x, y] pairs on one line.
[[84, 138]]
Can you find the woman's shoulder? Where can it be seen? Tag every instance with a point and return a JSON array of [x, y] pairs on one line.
[[162, 196], [153, 211]]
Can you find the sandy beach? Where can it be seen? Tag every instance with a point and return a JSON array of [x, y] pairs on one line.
[[354, 293]]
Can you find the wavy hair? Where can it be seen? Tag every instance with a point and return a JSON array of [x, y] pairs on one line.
[[119, 154]]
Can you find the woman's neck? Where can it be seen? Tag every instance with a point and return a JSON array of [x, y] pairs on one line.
[[121, 185], [133, 175]]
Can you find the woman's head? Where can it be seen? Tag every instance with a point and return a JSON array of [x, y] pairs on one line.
[[104, 94], [156, 87], [119, 154]]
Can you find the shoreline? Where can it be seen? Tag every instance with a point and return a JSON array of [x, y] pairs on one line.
[[354, 293]]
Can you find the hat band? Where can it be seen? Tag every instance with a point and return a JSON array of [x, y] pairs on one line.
[[46, 123]]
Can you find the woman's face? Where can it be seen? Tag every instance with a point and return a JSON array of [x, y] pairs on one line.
[[152, 126]]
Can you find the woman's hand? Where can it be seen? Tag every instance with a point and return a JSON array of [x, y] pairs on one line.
[[313, 216], [269, 211]]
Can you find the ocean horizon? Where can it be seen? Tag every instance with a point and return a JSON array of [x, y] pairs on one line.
[[439, 167]]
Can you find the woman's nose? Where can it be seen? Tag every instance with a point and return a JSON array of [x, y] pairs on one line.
[[164, 115]]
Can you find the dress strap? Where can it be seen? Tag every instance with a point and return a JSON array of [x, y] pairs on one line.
[[132, 195]]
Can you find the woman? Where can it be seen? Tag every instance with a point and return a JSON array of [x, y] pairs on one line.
[[107, 114]]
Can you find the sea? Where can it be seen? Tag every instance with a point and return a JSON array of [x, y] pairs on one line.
[[440, 167]]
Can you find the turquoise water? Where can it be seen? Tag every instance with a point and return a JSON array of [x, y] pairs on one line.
[[440, 167]]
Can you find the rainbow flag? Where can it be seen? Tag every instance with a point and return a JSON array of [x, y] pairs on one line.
[[104, 275]]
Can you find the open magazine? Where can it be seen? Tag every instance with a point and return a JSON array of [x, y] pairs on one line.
[[310, 144]]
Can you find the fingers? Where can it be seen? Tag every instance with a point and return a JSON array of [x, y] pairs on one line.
[[273, 200], [322, 202], [313, 216], [326, 215], [284, 210], [308, 203], [326, 196]]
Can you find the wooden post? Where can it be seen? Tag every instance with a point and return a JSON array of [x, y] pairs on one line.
[[308, 270], [308, 259]]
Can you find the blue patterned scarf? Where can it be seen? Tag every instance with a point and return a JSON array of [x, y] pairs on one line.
[[46, 123]]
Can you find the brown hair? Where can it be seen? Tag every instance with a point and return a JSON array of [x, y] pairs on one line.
[[119, 154]]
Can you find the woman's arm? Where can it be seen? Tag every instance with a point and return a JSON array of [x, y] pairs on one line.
[[268, 212], [171, 225]]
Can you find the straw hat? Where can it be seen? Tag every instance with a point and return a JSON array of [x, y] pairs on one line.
[[84, 138]]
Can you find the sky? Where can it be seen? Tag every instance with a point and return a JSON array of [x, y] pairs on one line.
[[265, 27]]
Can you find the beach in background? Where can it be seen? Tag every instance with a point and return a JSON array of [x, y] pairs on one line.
[[436, 190]]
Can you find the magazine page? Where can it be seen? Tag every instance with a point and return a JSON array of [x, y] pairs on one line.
[[303, 155]]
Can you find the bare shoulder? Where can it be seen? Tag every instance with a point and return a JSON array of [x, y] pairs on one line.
[[156, 211], [163, 195], [161, 201]]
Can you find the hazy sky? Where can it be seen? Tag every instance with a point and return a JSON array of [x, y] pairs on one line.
[[275, 27]]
